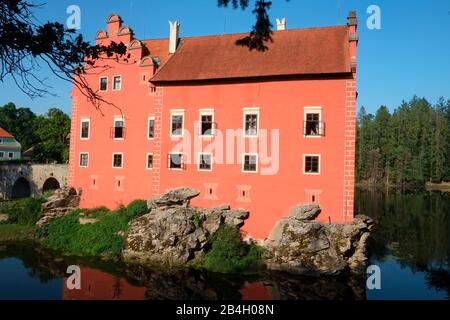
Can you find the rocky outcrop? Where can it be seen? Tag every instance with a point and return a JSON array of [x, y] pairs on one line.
[[173, 232], [173, 198], [4, 218], [63, 202], [302, 246], [305, 213]]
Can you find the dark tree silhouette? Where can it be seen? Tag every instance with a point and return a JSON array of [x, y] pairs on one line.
[[262, 30], [26, 45]]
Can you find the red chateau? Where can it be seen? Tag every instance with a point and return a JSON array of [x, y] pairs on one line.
[[262, 131]]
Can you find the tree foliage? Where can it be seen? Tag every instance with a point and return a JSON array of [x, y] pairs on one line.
[[26, 45], [409, 146], [53, 133], [48, 134], [20, 122]]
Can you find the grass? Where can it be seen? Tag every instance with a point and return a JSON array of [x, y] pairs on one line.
[[25, 212], [14, 232], [101, 239], [104, 238]]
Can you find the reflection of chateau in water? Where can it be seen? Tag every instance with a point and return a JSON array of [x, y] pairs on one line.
[[413, 229], [98, 285], [191, 284]]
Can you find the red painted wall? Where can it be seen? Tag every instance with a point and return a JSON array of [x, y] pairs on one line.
[[97, 285], [281, 104]]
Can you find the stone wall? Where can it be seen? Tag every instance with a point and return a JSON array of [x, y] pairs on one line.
[[35, 174]]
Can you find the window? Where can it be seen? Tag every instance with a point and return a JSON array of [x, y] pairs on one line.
[[119, 128], [85, 128], [1, 141], [117, 160], [2, 154], [149, 160], [103, 84], [311, 164], [205, 162], [313, 126], [251, 122], [151, 127], [210, 191], [250, 163], [84, 159], [244, 194], [207, 125], [176, 123], [176, 161], [10, 155], [117, 83]]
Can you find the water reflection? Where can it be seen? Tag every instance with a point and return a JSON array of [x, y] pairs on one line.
[[414, 232], [411, 244], [106, 281]]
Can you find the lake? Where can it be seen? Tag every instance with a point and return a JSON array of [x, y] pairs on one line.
[[411, 245]]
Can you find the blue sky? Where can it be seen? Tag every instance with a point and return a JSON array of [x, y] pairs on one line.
[[409, 55]]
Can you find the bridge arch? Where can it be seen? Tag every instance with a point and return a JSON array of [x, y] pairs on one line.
[[51, 184], [21, 189]]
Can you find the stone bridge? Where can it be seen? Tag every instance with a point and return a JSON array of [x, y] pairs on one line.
[[25, 180]]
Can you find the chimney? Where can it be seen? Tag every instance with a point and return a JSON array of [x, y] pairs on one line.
[[352, 24], [281, 24], [174, 36]]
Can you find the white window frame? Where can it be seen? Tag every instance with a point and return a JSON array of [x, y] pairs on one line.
[[2, 155], [177, 112], [119, 118], [114, 83], [199, 161], [112, 164], [146, 161], [243, 162], [148, 127], [206, 112], [304, 164], [79, 159], [100, 84], [251, 111], [1, 141], [88, 120], [10, 155], [312, 109], [182, 164]]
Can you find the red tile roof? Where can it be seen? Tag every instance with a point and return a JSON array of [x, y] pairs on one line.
[[293, 52], [5, 134], [158, 48]]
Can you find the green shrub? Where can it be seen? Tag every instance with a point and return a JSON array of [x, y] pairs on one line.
[[98, 239], [47, 194], [196, 219], [136, 208], [229, 254], [96, 213], [24, 212]]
